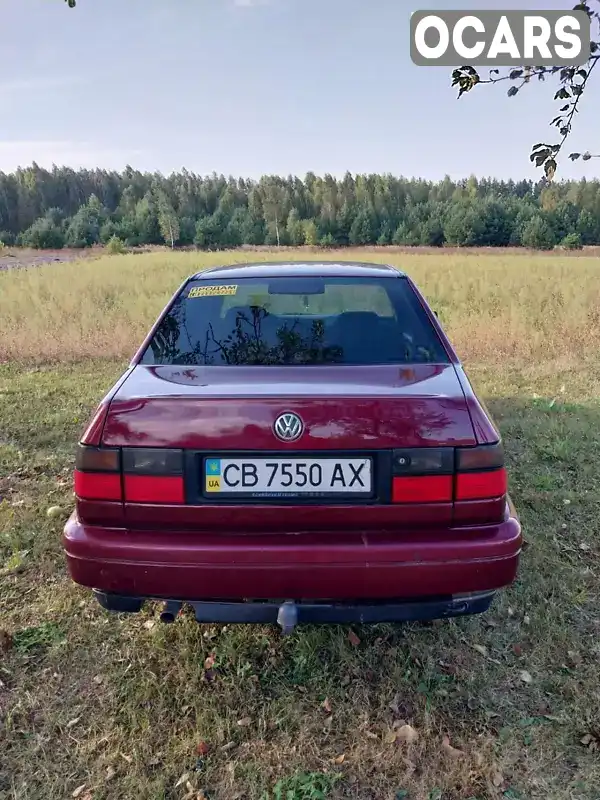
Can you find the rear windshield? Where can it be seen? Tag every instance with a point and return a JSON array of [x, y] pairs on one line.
[[296, 320]]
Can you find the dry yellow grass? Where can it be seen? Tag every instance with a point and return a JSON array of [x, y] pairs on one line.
[[531, 307]]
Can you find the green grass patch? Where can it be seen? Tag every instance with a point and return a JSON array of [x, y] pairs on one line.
[[120, 703]]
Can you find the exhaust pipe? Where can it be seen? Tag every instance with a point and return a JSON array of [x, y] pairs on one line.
[[170, 611]]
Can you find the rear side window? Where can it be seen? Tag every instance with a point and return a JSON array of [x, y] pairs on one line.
[[296, 320]]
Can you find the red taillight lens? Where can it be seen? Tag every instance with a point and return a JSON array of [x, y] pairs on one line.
[[422, 489], [154, 489], [97, 485], [481, 485]]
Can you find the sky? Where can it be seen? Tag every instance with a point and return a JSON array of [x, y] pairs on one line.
[[252, 87]]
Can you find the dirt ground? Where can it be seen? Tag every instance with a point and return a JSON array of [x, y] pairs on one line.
[[18, 258]]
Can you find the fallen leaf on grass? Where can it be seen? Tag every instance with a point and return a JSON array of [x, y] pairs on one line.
[[53, 511], [110, 773], [407, 734], [229, 746], [5, 641], [326, 705], [525, 676], [149, 624], [391, 737], [184, 778], [584, 546], [78, 791], [591, 741], [339, 759], [128, 759], [497, 779], [453, 752], [202, 748], [209, 661], [353, 638], [72, 722], [517, 649], [244, 722], [481, 649]]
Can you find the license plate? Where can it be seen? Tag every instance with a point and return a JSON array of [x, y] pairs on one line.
[[288, 477]]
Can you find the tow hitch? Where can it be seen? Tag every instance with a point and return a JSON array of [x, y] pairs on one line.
[[287, 617]]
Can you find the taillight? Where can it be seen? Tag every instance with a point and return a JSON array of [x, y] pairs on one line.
[[98, 473], [445, 474], [134, 475], [481, 474], [153, 475], [423, 475]]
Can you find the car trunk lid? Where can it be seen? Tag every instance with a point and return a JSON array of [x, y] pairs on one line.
[[342, 407]]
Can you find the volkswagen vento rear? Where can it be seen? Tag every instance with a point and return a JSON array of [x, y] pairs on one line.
[[294, 442]]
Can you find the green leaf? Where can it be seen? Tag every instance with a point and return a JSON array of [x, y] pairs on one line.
[[513, 91]]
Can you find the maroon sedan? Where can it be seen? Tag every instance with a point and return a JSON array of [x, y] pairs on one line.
[[294, 442]]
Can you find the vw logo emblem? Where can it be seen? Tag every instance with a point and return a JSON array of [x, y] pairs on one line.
[[288, 427]]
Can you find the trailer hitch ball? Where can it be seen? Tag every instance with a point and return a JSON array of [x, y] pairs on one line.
[[287, 617]]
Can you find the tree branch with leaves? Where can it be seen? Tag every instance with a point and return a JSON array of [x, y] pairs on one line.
[[573, 82]]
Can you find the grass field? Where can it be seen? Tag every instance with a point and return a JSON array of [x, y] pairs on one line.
[[103, 707]]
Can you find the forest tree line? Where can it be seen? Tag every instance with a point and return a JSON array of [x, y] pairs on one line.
[[63, 207]]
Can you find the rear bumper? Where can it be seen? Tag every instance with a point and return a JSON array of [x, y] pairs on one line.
[[329, 566], [312, 613]]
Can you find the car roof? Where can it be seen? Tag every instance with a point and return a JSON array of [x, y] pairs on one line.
[[280, 269]]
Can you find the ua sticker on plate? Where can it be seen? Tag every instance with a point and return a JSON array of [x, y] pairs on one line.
[[213, 475], [212, 291]]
